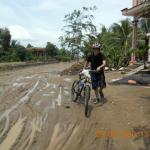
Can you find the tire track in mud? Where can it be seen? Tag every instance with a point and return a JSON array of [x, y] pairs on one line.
[[27, 103], [56, 93], [109, 144], [13, 134], [36, 124], [65, 131], [53, 94], [62, 134], [36, 127], [6, 114]]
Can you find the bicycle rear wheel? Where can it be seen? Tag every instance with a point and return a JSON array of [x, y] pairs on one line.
[[87, 91], [74, 90]]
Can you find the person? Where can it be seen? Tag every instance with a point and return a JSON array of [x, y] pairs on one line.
[[98, 63]]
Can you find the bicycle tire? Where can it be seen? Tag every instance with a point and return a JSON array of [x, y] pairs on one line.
[[87, 91], [74, 95]]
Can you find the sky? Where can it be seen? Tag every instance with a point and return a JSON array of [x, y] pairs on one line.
[[40, 21]]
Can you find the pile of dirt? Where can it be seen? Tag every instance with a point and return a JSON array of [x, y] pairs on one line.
[[73, 70]]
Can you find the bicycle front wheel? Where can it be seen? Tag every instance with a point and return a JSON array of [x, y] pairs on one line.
[[74, 90], [87, 91]]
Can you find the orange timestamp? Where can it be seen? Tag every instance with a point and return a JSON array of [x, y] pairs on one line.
[[123, 134]]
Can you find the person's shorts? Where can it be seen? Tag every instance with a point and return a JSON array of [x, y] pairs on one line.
[[98, 80]]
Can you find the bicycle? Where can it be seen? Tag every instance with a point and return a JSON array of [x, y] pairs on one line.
[[81, 89]]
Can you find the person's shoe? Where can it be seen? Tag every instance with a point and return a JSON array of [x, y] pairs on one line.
[[96, 100], [101, 94]]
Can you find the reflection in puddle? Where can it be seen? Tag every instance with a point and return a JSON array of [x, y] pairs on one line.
[[30, 77], [26, 97], [67, 79], [66, 88], [59, 98], [38, 103], [48, 85], [66, 93], [52, 92], [18, 84], [20, 78], [54, 86], [46, 95], [27, 77]]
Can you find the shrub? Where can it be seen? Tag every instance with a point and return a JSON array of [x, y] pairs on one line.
[[63, 58]]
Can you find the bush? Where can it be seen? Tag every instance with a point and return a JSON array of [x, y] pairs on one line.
[[5, 56], [29, 56], [63, 58]]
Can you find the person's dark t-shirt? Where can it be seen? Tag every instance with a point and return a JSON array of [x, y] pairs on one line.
[[96, 61]]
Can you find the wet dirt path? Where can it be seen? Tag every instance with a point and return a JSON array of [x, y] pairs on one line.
[[36, 113]]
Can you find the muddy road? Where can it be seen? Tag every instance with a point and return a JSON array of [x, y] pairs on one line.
[[36, 113]]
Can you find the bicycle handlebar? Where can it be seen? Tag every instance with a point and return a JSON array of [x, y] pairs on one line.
[[87, 72], [93, 71]]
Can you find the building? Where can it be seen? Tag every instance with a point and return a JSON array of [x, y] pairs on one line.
[[140, 9], [38, 51]]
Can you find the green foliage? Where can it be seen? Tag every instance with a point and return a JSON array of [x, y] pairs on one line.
[[64, 55], [51, 49], [79, 34], [116, 43], [29, 46], [18, 53], [79, 27], [134, 50], [64, 52], [4, 55], [4, 44], [12, 51], [63, 58], [5, 38]]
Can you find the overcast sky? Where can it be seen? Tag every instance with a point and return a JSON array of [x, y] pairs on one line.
[[39, 21]]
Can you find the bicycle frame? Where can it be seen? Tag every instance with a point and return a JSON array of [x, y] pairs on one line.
[[81, 89], [83, 81]]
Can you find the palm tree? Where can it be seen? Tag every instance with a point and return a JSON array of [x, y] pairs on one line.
[[117, 42], [123, 32]]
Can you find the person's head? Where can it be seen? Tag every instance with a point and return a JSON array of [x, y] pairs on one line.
[[96, 48]]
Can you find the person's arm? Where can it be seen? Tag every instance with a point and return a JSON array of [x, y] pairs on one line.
[[85, 64], [102, 66], [103, 63], [87, 60]]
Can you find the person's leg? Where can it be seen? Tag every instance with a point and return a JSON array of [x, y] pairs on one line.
[[95, 88], [102, 84], [96, 92], [97, 99], [101, 93]]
